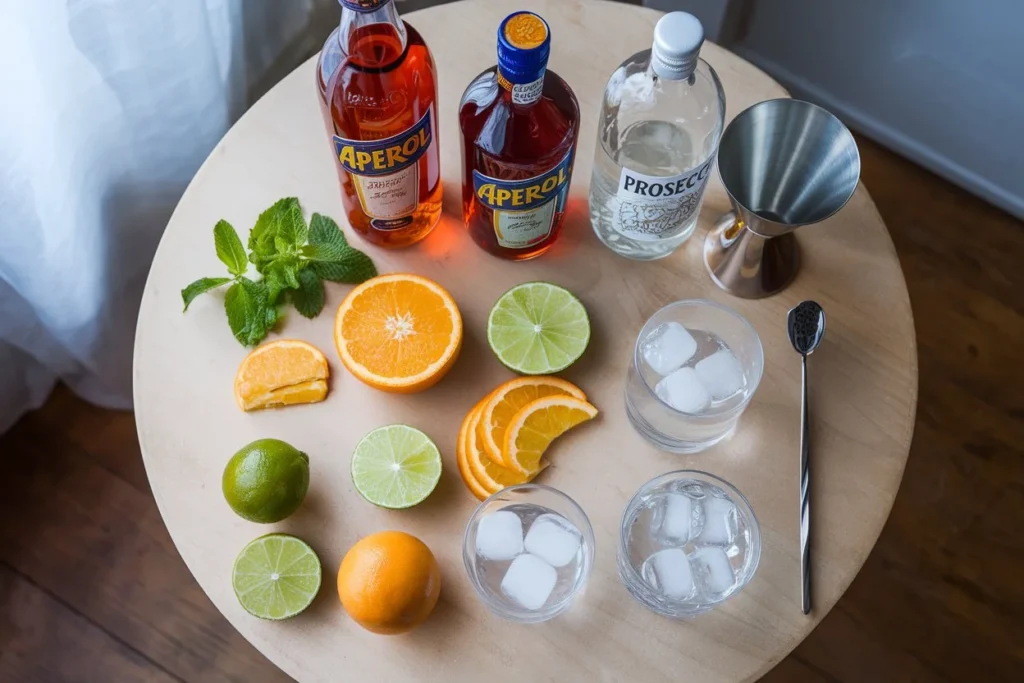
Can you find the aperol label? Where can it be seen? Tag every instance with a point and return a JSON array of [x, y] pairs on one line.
[[385, 172], [388, 155], [524, 210]]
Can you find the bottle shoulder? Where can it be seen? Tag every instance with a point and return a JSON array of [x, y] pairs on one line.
[[634, 89], [380, 101], [519, 133], [415, 55]]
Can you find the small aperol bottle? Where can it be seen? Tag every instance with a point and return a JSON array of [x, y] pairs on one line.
[[519, 126], [378, 91]]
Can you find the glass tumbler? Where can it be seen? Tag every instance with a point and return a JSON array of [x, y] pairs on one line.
[[528, 551], [688, 541], [695, 367]]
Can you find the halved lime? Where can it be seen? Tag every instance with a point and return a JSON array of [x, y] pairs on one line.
[[538, 328], [276, 576], [396, 466]]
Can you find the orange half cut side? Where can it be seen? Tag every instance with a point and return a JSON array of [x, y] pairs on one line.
[[399, 332]]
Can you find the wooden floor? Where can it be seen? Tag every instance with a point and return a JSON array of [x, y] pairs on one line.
[[92, 589]]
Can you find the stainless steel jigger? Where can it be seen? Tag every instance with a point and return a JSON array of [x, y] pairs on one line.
[[785, 163]]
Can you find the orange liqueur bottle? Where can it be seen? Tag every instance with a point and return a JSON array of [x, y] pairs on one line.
[[378, 88], [519, 124]]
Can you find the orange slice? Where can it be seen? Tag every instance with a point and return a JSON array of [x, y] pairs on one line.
[[280, 373], [534, 427], [399, 333], [507, 400], [474, 486], [489, 474]]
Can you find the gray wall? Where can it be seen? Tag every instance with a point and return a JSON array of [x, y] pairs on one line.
[[940, 81]]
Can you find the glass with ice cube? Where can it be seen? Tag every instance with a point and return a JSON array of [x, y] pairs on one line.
[[695, 367], [528, 551], [689, 541]]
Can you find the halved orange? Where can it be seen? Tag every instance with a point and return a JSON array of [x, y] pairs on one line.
[[474, 486], [279, 373], [489, 474], [398, 332], [539, 423], [507, 400]]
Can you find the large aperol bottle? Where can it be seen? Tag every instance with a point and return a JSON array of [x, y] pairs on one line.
[[378, 88], [519, 126]]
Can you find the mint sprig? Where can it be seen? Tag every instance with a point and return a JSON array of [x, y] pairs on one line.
[[293, 260]]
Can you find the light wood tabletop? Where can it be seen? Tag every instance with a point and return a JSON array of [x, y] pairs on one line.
[[863, 399]]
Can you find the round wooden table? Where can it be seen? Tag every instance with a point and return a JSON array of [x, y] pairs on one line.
[[863, 399]]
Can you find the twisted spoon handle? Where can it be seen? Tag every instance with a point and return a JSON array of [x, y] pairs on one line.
[[805, 504]]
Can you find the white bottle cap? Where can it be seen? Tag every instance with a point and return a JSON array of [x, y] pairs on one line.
[[677, 40]]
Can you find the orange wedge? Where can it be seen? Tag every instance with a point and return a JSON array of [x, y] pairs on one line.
[[507, 400], [398, 332], [539, 423], [489, 474], [280, 373], [474, 486]]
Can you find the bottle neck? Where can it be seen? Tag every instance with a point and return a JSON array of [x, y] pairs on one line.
[[673, 67], [371, 32], [522, 91]]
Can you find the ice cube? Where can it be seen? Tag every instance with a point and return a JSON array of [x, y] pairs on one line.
[[529, 581], [668, 572], [668, 347], [714, 571], [721, 374], [499, 536], [683, 391], [554, 539], [720, 521], [676, 518]]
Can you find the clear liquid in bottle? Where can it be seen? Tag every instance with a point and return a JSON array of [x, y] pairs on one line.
[[661, 119]]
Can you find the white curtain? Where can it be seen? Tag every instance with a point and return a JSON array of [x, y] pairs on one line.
[[107, 108]]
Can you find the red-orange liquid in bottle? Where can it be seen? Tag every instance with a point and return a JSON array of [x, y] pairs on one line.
[[519, 126], [378, 89]]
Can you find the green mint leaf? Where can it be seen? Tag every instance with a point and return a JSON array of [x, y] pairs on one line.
[[293, 226], [324, 231], [275, 284], [229, 248], [283, 245], [308, 299], [271, 317], [290, 274], [281, 274], [200, 286], [325, 252], [248, 310], [283, 219], [353, 267]]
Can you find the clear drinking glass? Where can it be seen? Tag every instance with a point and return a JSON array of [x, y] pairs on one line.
[[689, 406], [688, 541], [528, 572]]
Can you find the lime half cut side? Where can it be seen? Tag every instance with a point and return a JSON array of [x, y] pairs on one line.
[[538, 328], [396, 466], [276, 576]]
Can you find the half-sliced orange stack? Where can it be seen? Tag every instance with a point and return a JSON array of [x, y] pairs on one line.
[[504, 437], [281, 373]]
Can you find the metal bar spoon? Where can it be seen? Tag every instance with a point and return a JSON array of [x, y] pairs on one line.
[[806, 325]]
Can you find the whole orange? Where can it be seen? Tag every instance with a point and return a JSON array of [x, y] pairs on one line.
[[389, 582]]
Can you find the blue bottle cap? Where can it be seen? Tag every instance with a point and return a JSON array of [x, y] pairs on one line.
[[524, 43], [364, 6]]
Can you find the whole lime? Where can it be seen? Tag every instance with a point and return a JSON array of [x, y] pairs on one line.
[[266, 481]]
